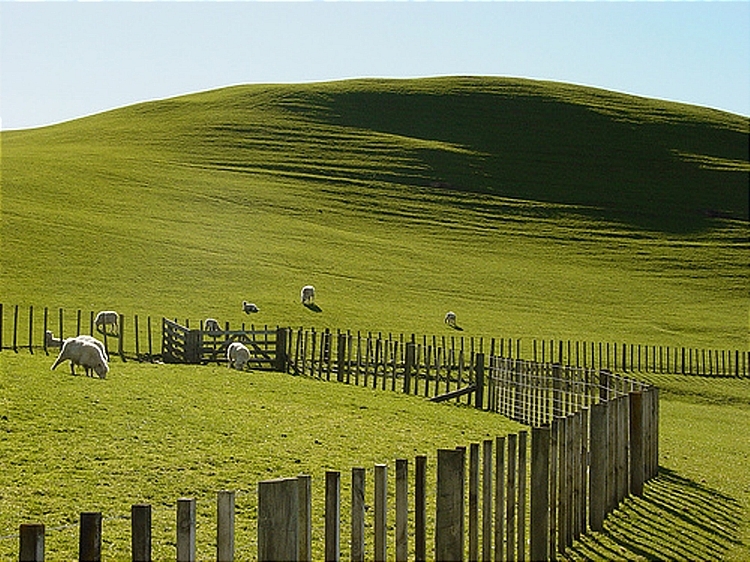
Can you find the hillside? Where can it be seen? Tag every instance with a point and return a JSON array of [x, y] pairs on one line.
[[534, 208]]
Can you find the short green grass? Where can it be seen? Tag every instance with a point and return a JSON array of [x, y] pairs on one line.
[[532, 209], [155, 433]]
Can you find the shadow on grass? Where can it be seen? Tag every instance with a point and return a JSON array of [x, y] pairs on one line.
[[676, 519], [312, 306]]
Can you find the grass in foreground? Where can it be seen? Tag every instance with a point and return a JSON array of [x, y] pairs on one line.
[[154, 433]]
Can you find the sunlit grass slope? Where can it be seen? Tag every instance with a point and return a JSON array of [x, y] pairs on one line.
[[532, 209]]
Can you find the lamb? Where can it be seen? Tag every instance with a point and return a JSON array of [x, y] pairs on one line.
[[107, 318], [307, 295], [52, 341], [237, 355], [248, 307], [80, 350], [211, 325], [450, 318]]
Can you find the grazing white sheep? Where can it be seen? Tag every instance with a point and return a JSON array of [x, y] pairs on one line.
[[249, 307], [307, 295], [211, 325], [107, 319], [52, 341], [80, 350], [450, 318], [237, 355]]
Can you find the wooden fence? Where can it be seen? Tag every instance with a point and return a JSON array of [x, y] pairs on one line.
[[24, 328], [181, 344]]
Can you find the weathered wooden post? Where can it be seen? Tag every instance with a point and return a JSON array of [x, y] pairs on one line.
[[225, 526], [341, 357], [31, 329], [193, 344], [90, 537], [540, 486], [402, 510], [281, 359], [186, 530], [411, 354], [479, 373], [521, 518], [499, 538], [474, 501], [510, 499], [636, 444], [140, 529], [15, 329], [31, 542], [333, 516], [358, 515], [449, 518], [304, 497], [121, 338], [381, 512], [278, 520], [487, 476], [420, 508]]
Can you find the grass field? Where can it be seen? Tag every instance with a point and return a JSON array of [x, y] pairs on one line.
[[531, 209]]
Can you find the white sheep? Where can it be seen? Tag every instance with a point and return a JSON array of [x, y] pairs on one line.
[[237, 355], [248, 307], [307, 295], [211, 325], [52, 341], [80, 350], [450, 318], [107, 318]]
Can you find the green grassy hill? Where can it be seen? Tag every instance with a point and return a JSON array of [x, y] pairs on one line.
[[532, 209]]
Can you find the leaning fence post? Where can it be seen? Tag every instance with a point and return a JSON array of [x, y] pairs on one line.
[[90, 537], [186, 530], [140, 524], [31, 539], [225, 526], [449, 518], [278, 520]]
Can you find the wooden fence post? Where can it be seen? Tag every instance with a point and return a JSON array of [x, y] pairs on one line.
[[540, 485], [420, 508], [474, 501], [479, 373], [31, 329], [636, 444], [402, 510], [304, 502], [278, 520], [358, 515], [487, 482], [449, 518], [90, 537], [31, 542], [15, 328], [333, 516], [521, 519], [510, 499], [225, 526], [281, 360], [411, 353], [499, 497], [121, 338], [186, 530], [140, 529], [193, 344], [341, 357], [381, 512]]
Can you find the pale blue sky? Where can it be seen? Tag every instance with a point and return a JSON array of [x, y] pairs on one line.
[[62, 60]]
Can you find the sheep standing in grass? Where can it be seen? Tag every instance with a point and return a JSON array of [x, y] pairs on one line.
[[450, 318], [237, 355], [82, 351], [211, 325], [107, 319], [52, 341], [249, 307], [307, 295]]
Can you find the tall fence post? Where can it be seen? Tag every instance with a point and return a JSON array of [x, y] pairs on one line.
[[31, 542], [479, 373], [411, 354], [281, 360], [540, 476], [140, 529], [304, 502], [333, 516], [278, 520], [186, 530], [90, 537], [381, 512], [449, 518], [341, 357], [636, 444], [225, 526], [402, 510], [420, 508], [358, 515]]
